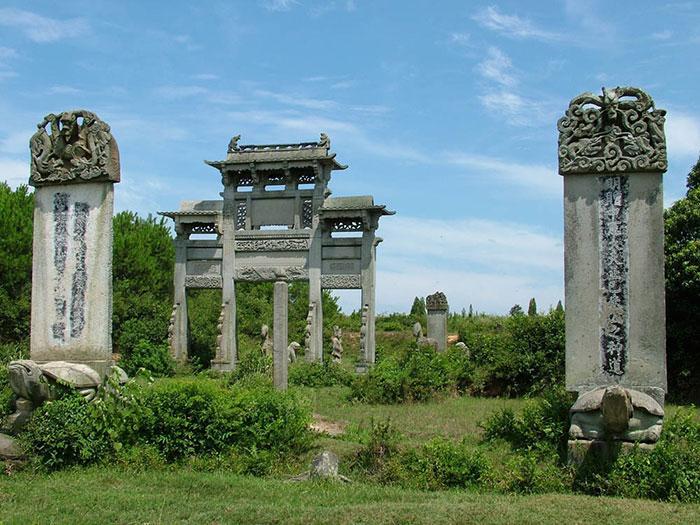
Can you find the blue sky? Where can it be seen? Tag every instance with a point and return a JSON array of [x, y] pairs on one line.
[[445, 111]]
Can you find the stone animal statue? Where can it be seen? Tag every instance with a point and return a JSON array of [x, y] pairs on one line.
[[292, 350], [463, 347], [423, 341], [266, 343], [337, 342], [616, 413], [34, 383]]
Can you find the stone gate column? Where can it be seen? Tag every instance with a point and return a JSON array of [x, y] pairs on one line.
[[73, 168], [226, 352], [436, 306], [368, 279], [280, 338], [178, 331], [612, 154]]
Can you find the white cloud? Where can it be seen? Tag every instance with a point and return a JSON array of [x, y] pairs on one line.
[[14, 172], [666, 34], [7, 52], [64, 90], [462, 39], [205, 76], [537, 178], [279, 5], [497, 67], [595, 30], [683, 134], [489, 264], [39, 28], [175, 92], [16, 143], [293, 100], [512, 25]]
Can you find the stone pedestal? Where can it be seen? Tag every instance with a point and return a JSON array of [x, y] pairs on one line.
[[612, 155], [437, 308], [280, 358], [74, 170]]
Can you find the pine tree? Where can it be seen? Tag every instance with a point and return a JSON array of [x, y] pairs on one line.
[[532, 307]]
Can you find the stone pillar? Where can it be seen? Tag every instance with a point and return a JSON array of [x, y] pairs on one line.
[[280, 358], [368, 278], [315, 257], [361, 366], [73, 168], [310, 351], [178, 331], [437, 308], [226, 352], [612, 154]]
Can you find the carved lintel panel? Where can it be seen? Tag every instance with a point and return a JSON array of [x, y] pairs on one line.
[[614, 271], [353, 224], [341, 281], [203, 281], [612, 133], [272, 245], [79, 148], [204, 228], [282, 273], [437, 301]]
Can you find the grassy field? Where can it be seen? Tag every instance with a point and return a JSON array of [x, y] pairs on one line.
[[180, 495]]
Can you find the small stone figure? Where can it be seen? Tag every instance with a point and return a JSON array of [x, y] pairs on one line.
[[292, 351], [337, 342], [266, 342], [462, 346], [423, 341], [307, 333]]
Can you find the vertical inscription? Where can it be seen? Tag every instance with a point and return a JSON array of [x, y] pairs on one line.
[[614, 266], [79, 285], [60, 252]]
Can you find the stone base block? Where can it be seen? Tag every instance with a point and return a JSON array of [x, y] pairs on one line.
[[101, 366], [9, 448], [596, 451], [222, 366]]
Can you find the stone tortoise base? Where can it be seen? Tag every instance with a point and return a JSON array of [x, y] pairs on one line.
[[582, 451]]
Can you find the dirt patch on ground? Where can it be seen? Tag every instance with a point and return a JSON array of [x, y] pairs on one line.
[[325, 426]]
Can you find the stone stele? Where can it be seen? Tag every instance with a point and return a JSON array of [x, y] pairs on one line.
[[74, 165], [612, 155], [437, 308]]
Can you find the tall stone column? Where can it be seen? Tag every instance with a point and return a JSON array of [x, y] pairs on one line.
[[368, 278], [612, 154], [73, 168], [226, 352], [437, 308], [280, 327], [178, 331]]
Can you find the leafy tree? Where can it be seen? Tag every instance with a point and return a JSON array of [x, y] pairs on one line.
[[516, 310], [418, 308], [682, 225], [16, 209], [471, 311], [532, 307], [559, 308], [142, 279]]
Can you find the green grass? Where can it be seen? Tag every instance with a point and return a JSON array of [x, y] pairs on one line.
[[181, 495], [451, 417]]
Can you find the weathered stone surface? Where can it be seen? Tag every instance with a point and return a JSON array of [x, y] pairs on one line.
[[79, 148], [325, 465], [292, 350], [595, 452], [16, 421], [280, 357], [337, 342], [266, 344], [616, 413], [436, 301], [9, 448], [437, 308], [75, 375]]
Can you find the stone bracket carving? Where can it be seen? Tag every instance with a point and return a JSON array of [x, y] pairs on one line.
[[80, 148], [272, 245], [203, 281], [288, 273], [338, 281], [620, 131]]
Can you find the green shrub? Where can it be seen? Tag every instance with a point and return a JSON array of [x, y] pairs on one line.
[[441, 464], [530, 473], [153, 357], [380, 443], [317, 374], [543, 424], [669, 472], [251, 363]]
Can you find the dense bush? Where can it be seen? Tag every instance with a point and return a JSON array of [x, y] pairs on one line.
[[153, 357], [517, 355], [177, 418], [413, 375]]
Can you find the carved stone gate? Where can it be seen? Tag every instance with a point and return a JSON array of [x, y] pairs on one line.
[[275, 223]]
